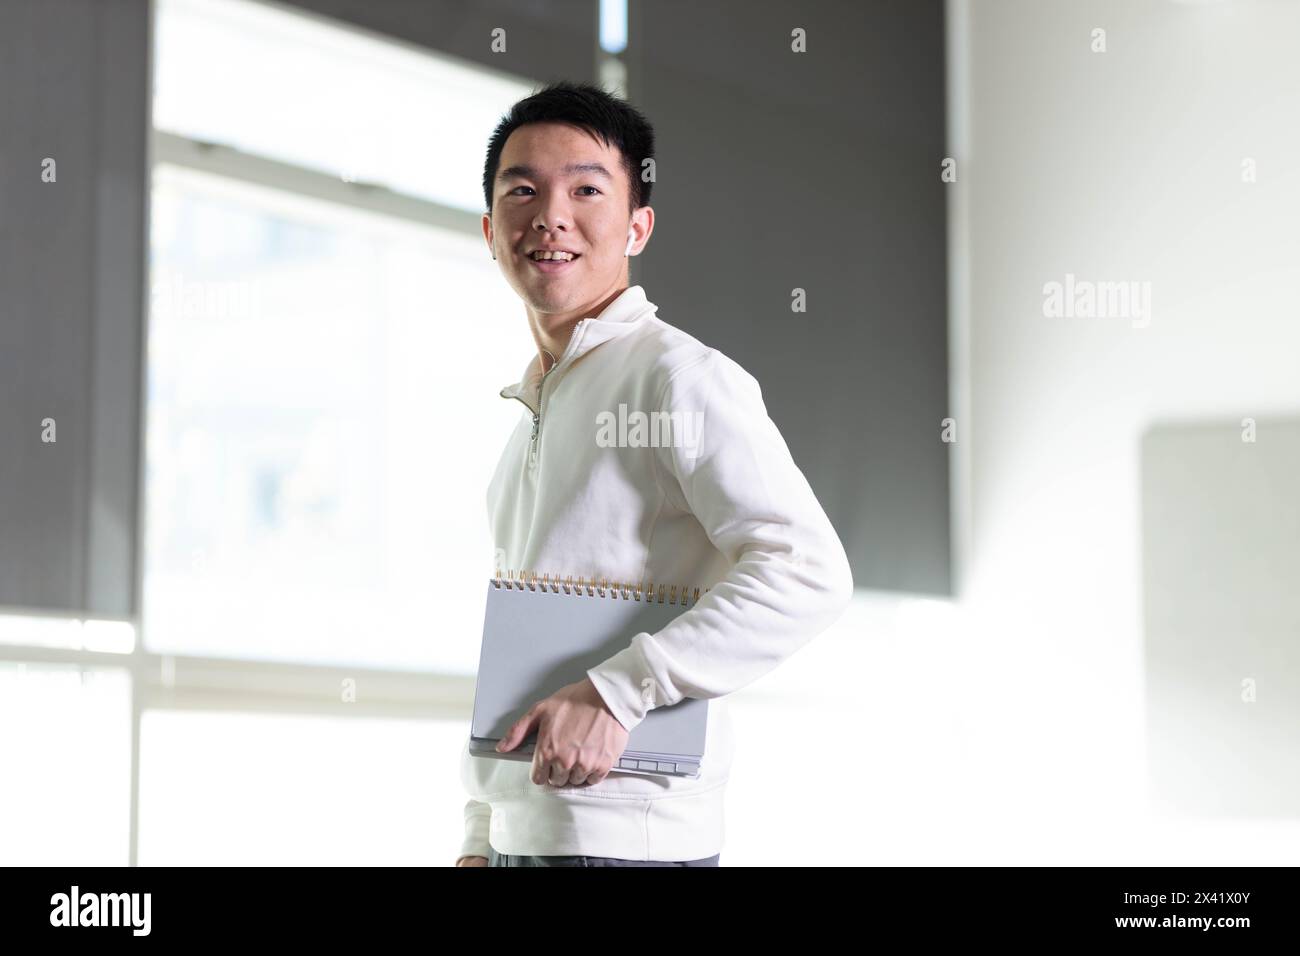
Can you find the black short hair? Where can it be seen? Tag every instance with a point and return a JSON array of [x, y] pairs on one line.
[[609, 118]]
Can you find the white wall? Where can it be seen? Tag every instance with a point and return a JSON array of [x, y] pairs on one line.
[[1122, 165], [1010, 727]]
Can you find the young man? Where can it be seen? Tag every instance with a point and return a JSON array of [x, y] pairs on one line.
[[714, 501]]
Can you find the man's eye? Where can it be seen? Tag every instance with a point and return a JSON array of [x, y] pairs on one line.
[[594, 190]]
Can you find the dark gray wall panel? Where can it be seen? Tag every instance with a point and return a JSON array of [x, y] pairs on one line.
[[73, 87], [819, 171]]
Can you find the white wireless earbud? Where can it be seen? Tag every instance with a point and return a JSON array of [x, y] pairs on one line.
[[631, 238]]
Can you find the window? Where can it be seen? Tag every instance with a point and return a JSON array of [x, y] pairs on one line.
[[323, 416], [327, 337], [310, 94], [323, 424]]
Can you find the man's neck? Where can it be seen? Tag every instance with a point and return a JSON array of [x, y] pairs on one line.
[[552, 332]]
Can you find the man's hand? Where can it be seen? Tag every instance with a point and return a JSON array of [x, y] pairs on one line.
[[472, 861], [578, 738]]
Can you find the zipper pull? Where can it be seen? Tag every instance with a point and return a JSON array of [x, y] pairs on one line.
[[536, 419]]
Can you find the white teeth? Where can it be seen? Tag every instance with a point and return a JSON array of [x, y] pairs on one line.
[[563, 256]]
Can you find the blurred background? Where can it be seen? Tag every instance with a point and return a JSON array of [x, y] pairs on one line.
[[1046, 385]]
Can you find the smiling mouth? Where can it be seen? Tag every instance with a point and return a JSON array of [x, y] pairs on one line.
[[552, 265]]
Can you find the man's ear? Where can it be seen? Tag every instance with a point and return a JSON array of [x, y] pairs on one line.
[[487, 232], [643, 222]]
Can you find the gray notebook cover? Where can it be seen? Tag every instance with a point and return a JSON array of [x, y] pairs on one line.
[[538, 641]]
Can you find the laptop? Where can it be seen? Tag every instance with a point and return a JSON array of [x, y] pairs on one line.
[[539, 638]]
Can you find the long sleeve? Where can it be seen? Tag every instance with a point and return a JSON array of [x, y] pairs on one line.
[[478, 817], [789, 579]]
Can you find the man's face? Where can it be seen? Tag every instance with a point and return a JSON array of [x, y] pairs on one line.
[[558, 186]]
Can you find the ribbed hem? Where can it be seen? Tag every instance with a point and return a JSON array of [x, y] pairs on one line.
[[688, 826]]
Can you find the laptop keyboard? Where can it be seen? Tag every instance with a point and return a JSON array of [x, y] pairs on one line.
[[656, 766]]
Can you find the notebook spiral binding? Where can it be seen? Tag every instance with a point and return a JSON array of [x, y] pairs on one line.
[[599, 587]]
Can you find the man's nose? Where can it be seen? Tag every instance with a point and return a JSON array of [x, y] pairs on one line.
[[553, 214]]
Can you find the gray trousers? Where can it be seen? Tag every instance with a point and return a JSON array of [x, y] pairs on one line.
[[505, 859]]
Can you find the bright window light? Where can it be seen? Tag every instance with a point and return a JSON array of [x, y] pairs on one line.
[[110, 637], [324, 420], [65, 765], [291, 88], [613, 25], [233, 789]]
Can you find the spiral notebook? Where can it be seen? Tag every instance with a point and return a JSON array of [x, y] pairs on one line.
[[540, 635]]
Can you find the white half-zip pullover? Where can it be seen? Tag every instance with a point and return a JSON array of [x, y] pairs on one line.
[[712, 500]]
